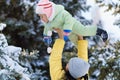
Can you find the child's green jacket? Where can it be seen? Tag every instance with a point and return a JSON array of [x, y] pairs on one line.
[[63, 20]]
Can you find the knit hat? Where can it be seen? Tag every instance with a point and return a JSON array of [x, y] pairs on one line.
[[78, 67], [45, 7]]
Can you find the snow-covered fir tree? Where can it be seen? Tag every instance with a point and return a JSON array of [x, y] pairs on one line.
[[9, 58], [105, 61], [15, 63], [23, 24]]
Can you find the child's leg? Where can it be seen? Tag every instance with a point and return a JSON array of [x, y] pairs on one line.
[[90, 30]]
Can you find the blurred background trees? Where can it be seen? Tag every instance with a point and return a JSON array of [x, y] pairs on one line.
[[24, 29]]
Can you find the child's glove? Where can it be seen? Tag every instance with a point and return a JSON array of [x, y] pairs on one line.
[[66, 38], [47, 40], [66, 34]]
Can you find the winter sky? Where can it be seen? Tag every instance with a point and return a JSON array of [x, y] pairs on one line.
[[108, 20]]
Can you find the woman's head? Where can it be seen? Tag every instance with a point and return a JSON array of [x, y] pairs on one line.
[[44, 7], [77, 67]]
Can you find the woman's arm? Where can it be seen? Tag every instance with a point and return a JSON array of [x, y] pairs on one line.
[[55, 62], [82, 48]]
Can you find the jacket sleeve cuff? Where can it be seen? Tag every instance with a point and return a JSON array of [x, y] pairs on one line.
[[66, 32]]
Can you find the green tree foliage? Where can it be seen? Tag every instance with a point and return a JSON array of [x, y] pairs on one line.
[[111, 5], [73, 6], [105, 62], [23, 28]]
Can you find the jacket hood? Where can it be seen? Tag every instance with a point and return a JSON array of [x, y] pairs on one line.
[[56, 10]]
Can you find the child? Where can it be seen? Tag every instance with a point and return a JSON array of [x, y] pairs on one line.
[[55, 17]]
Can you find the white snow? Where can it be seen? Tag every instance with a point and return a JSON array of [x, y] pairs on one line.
[[108, 19], [2, 26]]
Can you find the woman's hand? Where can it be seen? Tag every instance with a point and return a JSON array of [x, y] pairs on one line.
[[80, 37], [60, 32]]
